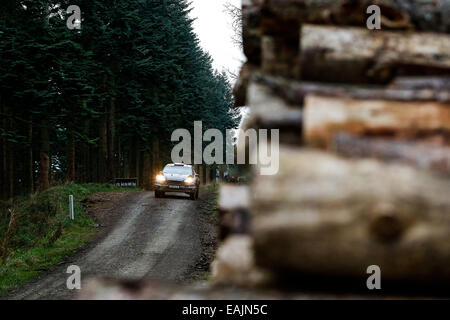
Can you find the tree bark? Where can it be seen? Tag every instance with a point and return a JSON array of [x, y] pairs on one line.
[[325, 117], [329, 216], [337, 54]]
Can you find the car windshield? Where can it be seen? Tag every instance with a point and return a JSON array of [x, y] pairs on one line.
[[178, 170]]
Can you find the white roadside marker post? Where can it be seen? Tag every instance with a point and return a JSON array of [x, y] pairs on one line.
[[72, 215]]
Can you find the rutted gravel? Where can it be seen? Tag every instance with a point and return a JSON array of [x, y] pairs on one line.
[[169, 239]]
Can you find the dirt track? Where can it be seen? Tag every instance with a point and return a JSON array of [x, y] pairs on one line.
[[161, 239]]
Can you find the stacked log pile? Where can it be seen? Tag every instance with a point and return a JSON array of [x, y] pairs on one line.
[[364, 119]]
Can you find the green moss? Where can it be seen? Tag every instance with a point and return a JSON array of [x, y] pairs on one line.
[[43, 235]]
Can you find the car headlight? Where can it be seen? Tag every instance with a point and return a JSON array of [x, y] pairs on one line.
[[189, 180], [160, 178]]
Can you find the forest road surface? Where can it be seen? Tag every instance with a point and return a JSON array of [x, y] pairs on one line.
[[153, 238]]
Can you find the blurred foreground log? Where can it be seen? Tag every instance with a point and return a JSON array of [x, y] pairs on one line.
[[235, 264], [251, 33], [324, 117], [110, 289], [421, 83], [284, 18], [431, 15], [434, 155], [402, 89], [234, 215], [329, 216], [358, 55], [269, 111]]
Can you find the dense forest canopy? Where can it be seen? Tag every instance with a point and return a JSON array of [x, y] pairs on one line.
[[101, 102]]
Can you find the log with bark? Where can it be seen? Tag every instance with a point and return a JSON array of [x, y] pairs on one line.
[[421, 83], [357, 55], [241, 86], [234, 264], [325, 215], [433, 15], [324, 117], [434, 154], [269, 111], [419, 89], [280, 56]]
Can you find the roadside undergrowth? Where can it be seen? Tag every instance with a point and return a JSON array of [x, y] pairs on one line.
[[36, 232]]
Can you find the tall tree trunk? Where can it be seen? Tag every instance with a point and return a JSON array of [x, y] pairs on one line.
[[156, 156], [93, 169], [86, 156], [133, 158], [4, 167], [222, 172], [147, 171], [118, 167], [11, 170], [208, 174], [140, 167], [111, 136], [29, 167], [3, 170], [202, 174], [44, 159], [103, 148], [70, 157]]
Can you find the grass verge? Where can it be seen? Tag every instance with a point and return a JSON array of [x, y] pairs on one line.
[[36, 232]]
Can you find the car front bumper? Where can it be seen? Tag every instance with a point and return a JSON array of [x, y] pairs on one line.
[[174, 188]]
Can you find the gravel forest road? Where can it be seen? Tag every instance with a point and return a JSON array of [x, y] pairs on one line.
[[159, 239]]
